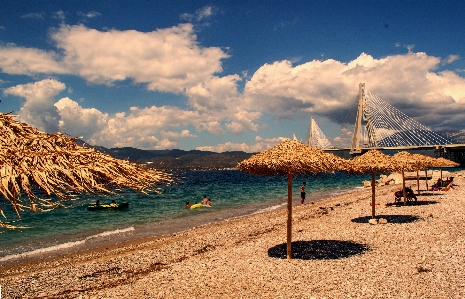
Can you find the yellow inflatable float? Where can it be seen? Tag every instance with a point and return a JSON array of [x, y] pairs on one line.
[[197, 205]]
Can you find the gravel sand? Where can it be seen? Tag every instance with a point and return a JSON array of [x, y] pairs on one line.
[[418, 253]]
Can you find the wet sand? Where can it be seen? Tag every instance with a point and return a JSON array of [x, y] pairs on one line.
[[419, 253]]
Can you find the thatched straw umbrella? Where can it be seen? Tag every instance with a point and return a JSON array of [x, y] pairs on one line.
[[372, 162], [443, 162], [290, 157], [35, 165], [413, 162], [428, 162]]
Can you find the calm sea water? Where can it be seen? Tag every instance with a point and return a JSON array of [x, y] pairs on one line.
[[233, 194]]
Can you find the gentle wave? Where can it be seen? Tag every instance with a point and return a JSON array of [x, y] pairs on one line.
[[64, 245], [268, 209], [112, 232]]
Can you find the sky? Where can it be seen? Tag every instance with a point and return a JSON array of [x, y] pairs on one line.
[[226, 75]]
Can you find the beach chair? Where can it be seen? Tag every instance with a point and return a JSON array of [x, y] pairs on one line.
[[409, 195]]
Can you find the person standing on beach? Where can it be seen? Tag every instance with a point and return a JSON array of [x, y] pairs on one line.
[[302, 193]]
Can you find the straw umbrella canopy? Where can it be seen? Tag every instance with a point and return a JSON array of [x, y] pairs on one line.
[[287, 158], [443, 162], [373, 161], [35, 165], [412, 162], [427, 162]]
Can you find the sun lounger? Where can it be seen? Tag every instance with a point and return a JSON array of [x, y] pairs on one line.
[[409, 195]]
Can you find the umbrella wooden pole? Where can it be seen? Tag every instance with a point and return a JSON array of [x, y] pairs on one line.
[[418, 182], [426, 178], [403, 188], [373, 194], [289, 215]]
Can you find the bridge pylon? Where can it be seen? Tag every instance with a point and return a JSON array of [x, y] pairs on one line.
[[316, 137], [364, 134]]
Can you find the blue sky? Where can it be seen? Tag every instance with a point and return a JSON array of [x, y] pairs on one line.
[[226, 75]]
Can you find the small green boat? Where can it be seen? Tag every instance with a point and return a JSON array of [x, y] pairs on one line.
[[110, 206]]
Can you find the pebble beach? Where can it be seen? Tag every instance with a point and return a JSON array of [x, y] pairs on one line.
[[337, 253]]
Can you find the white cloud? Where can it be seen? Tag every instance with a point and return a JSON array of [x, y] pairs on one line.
[[167, 60], [214, 127], [214, 93], [451, 58], [27, 61], [260, 145], [60, 15], [329, 88], [145, 128], [78, 121], [89, 15], [200, 14], [33, 15], [205, 12], [38, 109], [172, 60], [243, 121], [410, 48]]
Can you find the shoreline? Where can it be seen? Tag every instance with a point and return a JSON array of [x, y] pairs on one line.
[[422, 258], [128, 235], [146, 242]]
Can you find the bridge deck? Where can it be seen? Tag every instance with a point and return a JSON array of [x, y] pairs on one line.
[[402, 148]]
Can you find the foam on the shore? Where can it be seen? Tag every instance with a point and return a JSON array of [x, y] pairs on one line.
[[269, 209], [66, 245]]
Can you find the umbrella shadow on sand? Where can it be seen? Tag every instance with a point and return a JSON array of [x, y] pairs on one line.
[[397, 219], [414, 203], [431, 193], [318, 250], [399, 203]]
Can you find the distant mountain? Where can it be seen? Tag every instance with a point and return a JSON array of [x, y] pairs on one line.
[[175, 158]]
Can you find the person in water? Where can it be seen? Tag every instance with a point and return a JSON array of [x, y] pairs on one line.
[[204, 200], [187, 206], [208, 204]]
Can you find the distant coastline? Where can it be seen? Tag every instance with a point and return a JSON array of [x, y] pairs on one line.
[[176, 159]]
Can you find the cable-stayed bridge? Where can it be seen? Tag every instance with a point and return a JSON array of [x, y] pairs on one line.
[[378, 125], [316, 137]]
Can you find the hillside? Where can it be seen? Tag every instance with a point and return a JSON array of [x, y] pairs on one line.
[[176, 158]]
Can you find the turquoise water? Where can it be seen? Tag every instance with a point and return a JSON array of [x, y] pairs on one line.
[[233, 194]]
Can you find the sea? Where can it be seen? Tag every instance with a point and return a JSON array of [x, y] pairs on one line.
[[233, 194]]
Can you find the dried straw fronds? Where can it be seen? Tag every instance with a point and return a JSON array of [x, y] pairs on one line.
[[443, 162], [372, 161], [286, 158], [292, 156], [413, 162], [36, 165]]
